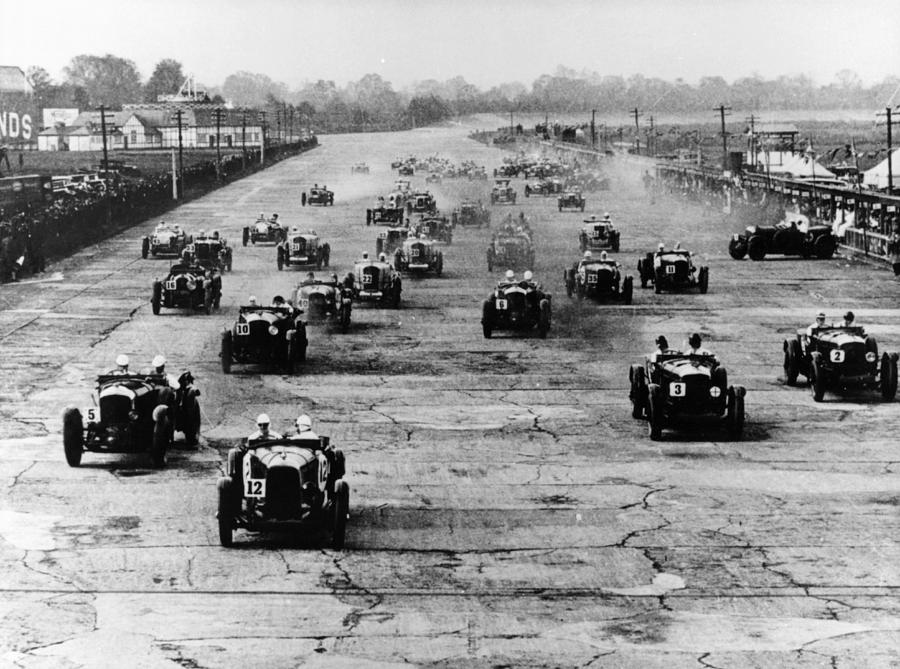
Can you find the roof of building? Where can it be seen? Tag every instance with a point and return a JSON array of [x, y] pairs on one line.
[[13, 80]]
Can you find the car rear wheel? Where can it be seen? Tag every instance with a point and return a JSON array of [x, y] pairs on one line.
[[735, 414], [638, 392], [756, 248], [73, 436], [156, 298], [226, 511], [737, 249], [245, 236], [339, 514], [487, 319], [627, 289], [818, 378], [791, 361], [145, 248], [824, 247], [226, 352], [192, 424], [703, 279], [208, 299], [162, 435], [569, 279], [888, 377], [654, 411], [279, 258], [544, 318]]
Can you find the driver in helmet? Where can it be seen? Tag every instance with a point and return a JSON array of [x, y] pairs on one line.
[[304, 428], [586, 258], [121, 365], [695, 345], [262, 433], [508, 278]]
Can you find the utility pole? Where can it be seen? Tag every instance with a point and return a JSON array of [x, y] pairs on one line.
[[511, 129], [105, 161], [752, 119], [637, 130], [243, 139], [262, 150], [291, 126], [651, 139], [593, 130], [178, 115], [890, 148], [722, 109], [218, 114]]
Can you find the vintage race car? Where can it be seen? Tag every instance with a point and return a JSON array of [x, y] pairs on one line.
[[837, 357], [674, 387], [133, 413], [672, 270], [419, 255], [502, 192], [376, 281], [302, 249], [598, 234], [570, 199], [284, 484], [477, 173], [406, 170], [438, 228], [508, 171], [510, 252], [166, 240], [317, 195], [264, 231], [469, 213], [209, 252], [516, 306], [783, 239], [191, 287], [390, 240], [433, 178], [421, 203], [359, 168], [544, 187], [598, 279], [267, 336], [320, 300], [388, 210]]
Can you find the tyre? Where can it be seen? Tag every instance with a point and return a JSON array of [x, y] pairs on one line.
[[627, 290], [824, 247], [326, 254], [440, 264], [303, 199], [302, 342], [156, 297], [226, 352], [615, 244], [162, 435], [791, 361], [490, 261], [226, 511], [73, 436], [818, 377], [888, 377], [487, 318], [544, 319], [246, 236], [734, 417], [641, 273], [703, 280], [719, 379], [145, 248], [340, 509], [737, 249], [654, 411], [638, 394], [192, 424], [291, 354], [345, 319], [379, 246], [279, 260], [756, 248], [569, 280]]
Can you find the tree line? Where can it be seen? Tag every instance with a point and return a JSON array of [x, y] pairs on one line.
[[371, 103]]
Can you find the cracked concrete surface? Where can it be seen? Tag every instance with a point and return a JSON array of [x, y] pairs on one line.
[[505, 508]]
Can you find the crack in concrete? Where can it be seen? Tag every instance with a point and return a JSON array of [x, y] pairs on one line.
[[394, 421], [22, 473], [24, 561], [704, 663], [353, 619]]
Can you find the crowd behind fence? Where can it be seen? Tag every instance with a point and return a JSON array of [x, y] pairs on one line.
[[36, 233]]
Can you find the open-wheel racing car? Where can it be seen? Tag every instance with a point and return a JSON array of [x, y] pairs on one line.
[[133, 413], [166, 240], [321, 300], [376, 281], [265, 335], [672, 270], [469, 213], [317, 195], [390, 240], [570, 199], [302, 249], [421, 202], [433, 178], [438, 228], [209, 252], [839, 357], [516, 305], [419, 255], [284, 484], [598, 278], [359, 168], [598, 234], [264, 231], [190, 287], [514, 251], [502, 192], [672, 387], [390, 210], [785, 238]]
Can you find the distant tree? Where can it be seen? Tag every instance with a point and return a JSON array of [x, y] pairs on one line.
[[167, 78], [246, 89], [107, 80]]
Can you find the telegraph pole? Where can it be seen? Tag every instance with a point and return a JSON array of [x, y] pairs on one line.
[[105, 161], [752, 119], [593, 130], [243, 139], [651, 139], [178, 115], [890, 148], [637, 130], [262, 151], [218, 114], [722, 109]]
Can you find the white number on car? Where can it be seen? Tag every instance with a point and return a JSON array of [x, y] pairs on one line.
[[242, 329], [414, 252], [323, 472], [837, 355], [295, 246], [304, 303], [670, 269], [501, 304], [367, 279], [252, 487], [592, 278], [677, 389], [90, 414], [170, 284]]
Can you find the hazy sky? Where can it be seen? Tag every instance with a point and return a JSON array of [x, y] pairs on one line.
[[486, 41]]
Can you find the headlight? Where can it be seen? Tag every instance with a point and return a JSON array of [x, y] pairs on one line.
[[191, 285], [871, 356], [735, 237], [133, 415], [273, 330], [715, 391]]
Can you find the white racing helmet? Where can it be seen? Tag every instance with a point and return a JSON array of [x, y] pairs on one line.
[[158, 361], [510, 275], [122, 360], [528, 275], [263, 419], [303, 423]]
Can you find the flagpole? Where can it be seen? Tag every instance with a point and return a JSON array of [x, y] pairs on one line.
[[865, 226]]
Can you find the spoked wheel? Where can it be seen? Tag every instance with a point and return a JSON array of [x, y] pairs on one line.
[[791, 361], [655, 411], [73, 436], [340, 510], [888, 377], [226, 512], [734, 416], [818, 378], [638, 380]]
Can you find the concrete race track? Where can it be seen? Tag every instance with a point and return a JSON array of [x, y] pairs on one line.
[[506, 510]]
